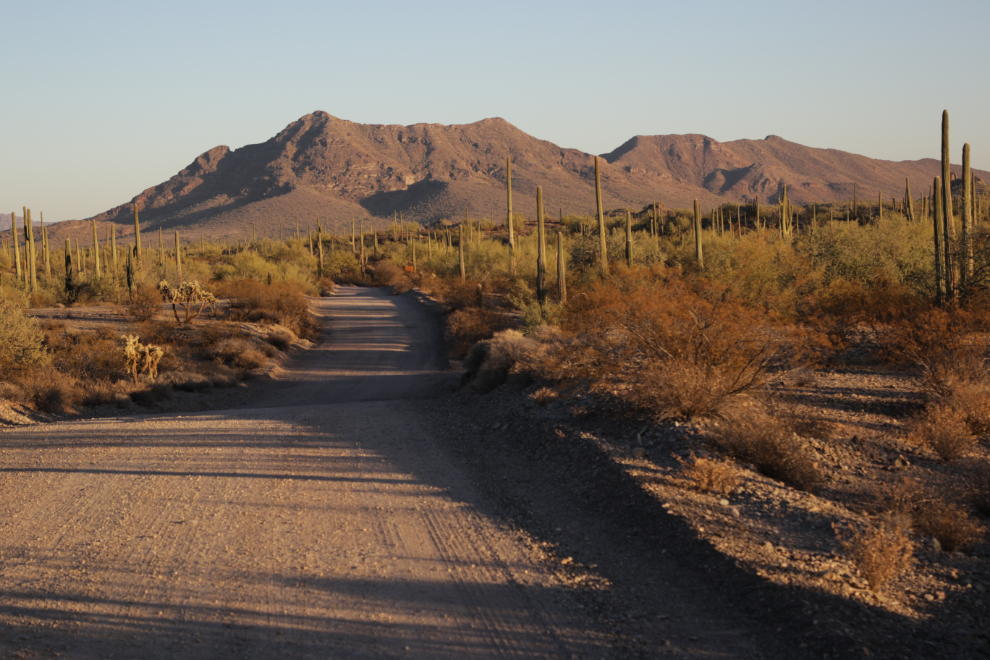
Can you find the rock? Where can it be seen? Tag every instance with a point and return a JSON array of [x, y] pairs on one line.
[[936, 545], [929, 597], [639, 452], [724, 502]]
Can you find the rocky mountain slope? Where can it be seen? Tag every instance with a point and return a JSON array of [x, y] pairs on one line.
[[322, 166]]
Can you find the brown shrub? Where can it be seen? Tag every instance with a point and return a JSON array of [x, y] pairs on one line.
[[881, 550], [186, 381], [673, 350], [710, 475], [152, 395], [51, 391], [467, 327], [222, 376], [489, 363], [240, 353], [947, 345], [950, 524], [145, 304], [284, 303], [11, 392], [213, 333], [544, 396], [972, 399], [386, 273], [281, 338], [944, 430], [749, 434]]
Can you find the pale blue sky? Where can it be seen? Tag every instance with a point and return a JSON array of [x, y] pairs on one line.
[[104, 99]]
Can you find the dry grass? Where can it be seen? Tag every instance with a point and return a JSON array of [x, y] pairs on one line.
[[281, 338], [709, 475], [949, 524], [491, 362], [881, 550], [972, 399], [751, 435], [943, 429]]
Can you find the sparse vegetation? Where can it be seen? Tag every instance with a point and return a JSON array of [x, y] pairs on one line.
[[710, 475], [880, 549]]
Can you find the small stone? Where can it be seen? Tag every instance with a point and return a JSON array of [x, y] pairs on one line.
[[639, 452], [936, 545], [735, 512], [724, 502], [929, 597]]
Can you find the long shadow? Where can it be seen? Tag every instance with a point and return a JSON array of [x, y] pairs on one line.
[[641, 549]]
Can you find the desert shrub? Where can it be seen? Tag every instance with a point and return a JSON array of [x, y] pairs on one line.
[[88, 356], [466, 327], [152, 395], [11, 392], [670, 349], [544, 396], [239, 353], [187, 381], [843, 308], [977, 482], [21, 340], [189, 296], [948, 523], [386, 273], [972, 399], [141, 358], [221, 375], [101, 392], [710, 475], [456, 294], [281, 338], [283, 303], [943, 429], [51, 391], [145, 304], [881, 550], [505, 352], [749, 434], [944, 344]]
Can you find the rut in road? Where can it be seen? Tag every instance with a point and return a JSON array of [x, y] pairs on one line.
[[325, 524]]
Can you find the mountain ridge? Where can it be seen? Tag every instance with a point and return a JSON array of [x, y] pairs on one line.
[[335, 169]]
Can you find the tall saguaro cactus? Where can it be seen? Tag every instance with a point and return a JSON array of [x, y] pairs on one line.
[[940, 269], [967, 218], [541, 256], [96, 251], [508, 215], [908, 202], [32, 254], [949, 219], [137, 236], [603, 267], [460, 252], [698, 254], [561, 269]]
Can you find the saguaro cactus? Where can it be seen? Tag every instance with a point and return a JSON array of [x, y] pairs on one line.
[[17, 248], [178, 258], [319, 248], [96, 251], [129, 275], [137, 236], [561, 269], [948, 216], [32, 263], [855, 206], [541, 257], [460, 251], [940, 267], [603, 267], [70, 284], [908, 202], [508, 215], [698, 254], [967, 218]]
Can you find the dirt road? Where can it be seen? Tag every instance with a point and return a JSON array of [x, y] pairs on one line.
[[330, 519], [324, 525]]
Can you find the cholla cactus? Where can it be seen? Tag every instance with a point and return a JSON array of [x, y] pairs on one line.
[[187, 294], [141, 358]]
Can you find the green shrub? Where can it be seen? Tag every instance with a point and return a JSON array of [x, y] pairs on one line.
[[21, 340]]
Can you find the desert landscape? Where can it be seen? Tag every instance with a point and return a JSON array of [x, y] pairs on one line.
[[749, 419]]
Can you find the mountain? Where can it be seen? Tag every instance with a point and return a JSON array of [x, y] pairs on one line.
[[4, 221], [338, 169]]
